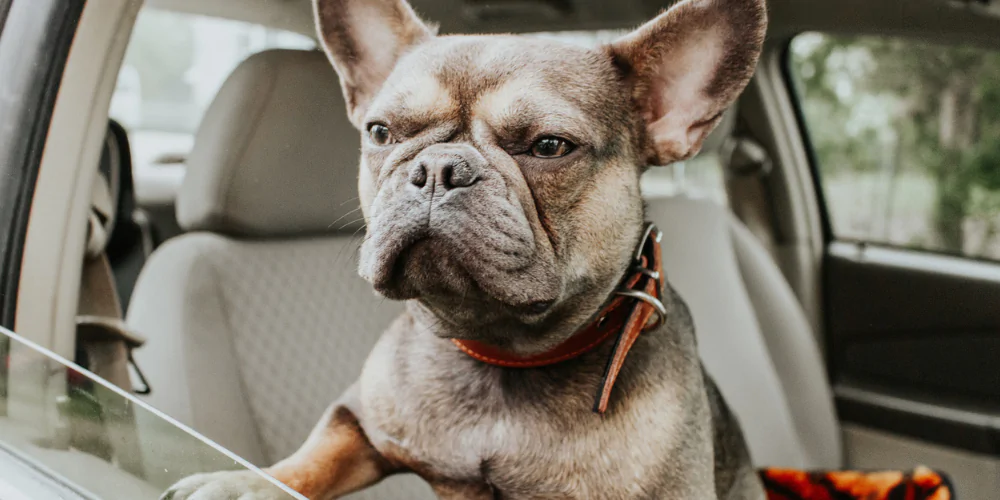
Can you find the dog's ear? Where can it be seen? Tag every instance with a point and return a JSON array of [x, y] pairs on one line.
[[688, 65], [364, 39]]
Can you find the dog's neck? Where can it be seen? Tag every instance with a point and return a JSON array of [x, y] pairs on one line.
[[624, 317]]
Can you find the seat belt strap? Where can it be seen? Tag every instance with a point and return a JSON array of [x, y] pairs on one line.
[[748, 166], [100, 329], [101, 332], [104, 346]]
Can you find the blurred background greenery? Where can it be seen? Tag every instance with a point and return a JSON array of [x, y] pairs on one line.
[[907, 139]]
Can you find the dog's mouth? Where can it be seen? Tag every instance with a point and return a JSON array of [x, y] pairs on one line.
[[465, 279], [385, 267]]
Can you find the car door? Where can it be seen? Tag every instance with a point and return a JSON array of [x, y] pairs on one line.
[[905, 140]]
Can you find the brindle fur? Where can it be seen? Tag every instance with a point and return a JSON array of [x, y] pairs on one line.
[[473, 262]]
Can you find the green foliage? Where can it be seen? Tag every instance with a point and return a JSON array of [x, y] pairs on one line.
[[875, 104]]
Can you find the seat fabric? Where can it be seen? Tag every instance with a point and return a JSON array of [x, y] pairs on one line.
[[752, 334], [256, 318]]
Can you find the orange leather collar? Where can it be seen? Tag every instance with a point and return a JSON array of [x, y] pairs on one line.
[[627, 314]]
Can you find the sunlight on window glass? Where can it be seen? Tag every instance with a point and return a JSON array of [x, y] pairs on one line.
[[907, 139], [173, 68]]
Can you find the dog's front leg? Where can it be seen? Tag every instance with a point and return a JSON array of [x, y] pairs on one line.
[[450, 490], [336, 459]]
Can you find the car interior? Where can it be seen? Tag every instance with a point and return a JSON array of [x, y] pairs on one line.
[[232, 237]]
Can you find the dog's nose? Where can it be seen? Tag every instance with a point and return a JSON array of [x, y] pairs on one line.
[[444, 171]]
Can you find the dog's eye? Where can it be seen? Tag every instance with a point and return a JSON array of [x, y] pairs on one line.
[[551, 147], [379, 134]]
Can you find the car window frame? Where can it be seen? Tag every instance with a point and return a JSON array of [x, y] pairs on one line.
[[44, 32], [802, 127], [34, 48]]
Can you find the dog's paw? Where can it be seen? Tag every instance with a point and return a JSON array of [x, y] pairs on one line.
[[238, 485]]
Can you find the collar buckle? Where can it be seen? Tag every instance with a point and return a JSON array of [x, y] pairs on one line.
[[650, 238]]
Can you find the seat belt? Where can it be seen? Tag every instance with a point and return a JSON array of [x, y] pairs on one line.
[[104, 346], [106, 340], [748, 166]]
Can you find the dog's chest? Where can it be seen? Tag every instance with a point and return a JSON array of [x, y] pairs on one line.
[[552, 450], [522, 458]]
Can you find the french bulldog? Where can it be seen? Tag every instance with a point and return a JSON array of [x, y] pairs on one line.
[[499, 179]]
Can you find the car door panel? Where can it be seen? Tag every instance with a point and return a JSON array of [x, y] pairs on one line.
[[913, 339], [915, 322]]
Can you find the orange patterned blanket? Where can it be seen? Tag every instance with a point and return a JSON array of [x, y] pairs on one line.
[[919, 484]]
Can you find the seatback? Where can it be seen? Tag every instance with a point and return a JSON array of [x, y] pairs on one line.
[[256, 317], [752, 333]]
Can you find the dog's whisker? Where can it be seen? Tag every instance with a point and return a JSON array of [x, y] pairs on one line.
[[358, 230], [348, 223], [346, 214], [354, 247], [353, 198]]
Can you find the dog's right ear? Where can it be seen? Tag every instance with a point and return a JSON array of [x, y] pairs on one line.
[[364, 39]]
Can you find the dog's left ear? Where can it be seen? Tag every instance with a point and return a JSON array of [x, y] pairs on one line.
[[687, 66]]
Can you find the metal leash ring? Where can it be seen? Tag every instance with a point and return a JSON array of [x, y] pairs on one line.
[[661, 311]]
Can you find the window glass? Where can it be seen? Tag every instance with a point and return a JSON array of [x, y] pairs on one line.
[[173, 68], [700, 177], [906, 137], [91, 438]]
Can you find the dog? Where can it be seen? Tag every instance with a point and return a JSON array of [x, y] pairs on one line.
[[542, 353]]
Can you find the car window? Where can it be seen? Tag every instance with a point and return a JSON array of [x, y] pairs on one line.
[[701, 176], [906, 137], [91, 437], [174, 65]]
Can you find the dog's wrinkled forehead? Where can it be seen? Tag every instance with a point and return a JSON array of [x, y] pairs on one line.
[[507, 82]]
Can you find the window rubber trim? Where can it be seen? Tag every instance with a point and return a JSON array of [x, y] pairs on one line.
[[33, 52], [807, 143], [35, 39]]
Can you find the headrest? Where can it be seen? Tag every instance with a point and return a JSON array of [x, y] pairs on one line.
[[275, 154]]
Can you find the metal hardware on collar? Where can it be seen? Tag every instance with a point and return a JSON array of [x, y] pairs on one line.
[[661, 311], [648, 272], [650, 227]]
